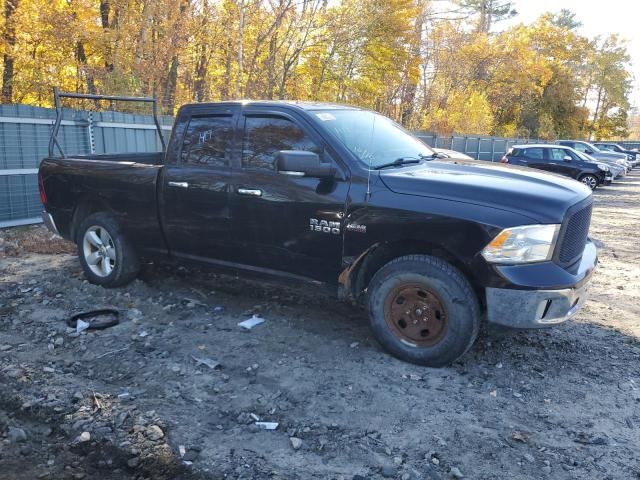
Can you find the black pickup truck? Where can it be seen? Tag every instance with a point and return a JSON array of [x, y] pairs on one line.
[[343, 196]]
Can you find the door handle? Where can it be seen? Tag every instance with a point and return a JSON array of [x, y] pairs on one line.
[[252, 192], [179, 184]]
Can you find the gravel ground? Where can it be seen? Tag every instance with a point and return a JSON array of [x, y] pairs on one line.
[[138, 400]]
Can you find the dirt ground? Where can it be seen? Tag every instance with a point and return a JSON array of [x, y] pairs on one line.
[[138, 400]]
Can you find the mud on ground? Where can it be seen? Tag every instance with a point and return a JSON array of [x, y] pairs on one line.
[[133, 402]]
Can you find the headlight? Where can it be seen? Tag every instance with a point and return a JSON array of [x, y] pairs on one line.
[[603, 167], [526, 244]]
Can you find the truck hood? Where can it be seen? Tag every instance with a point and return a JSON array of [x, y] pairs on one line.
[[541, 196]]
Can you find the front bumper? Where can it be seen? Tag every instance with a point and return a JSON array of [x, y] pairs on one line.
[[541, 307], [47, 219]]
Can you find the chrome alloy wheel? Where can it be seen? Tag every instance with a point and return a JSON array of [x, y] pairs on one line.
[[590, 181], [99, 251]]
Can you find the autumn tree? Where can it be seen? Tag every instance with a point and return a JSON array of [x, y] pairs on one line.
[[428, 66]]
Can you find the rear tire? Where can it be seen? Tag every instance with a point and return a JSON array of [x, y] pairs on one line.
[[423, 310], [590, 181], [106, 256]]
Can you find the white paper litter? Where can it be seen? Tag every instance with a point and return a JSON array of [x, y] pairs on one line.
[[209, 362], [81, 326], [267, 425], [251, 322]]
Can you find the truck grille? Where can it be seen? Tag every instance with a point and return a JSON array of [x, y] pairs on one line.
[[573, 235]]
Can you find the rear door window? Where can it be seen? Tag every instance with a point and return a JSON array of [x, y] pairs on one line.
[[580, 147], [534, 153], [207, 141]]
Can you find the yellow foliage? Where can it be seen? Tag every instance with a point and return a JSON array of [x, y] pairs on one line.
[[393, 56]]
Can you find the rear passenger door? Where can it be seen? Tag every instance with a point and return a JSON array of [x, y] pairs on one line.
[[535, 158], [196, 184]]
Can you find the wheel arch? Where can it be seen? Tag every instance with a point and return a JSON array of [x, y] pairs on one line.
[[355, 279], [85, 206]]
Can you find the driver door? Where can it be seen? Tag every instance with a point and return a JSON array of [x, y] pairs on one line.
[[275, 215]]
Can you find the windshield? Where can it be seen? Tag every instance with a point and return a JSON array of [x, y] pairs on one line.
[[374, 139], [592, 147], [584, 156]]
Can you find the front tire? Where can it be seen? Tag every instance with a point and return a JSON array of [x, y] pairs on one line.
[[106, 256], [423, 310], [590, 181]]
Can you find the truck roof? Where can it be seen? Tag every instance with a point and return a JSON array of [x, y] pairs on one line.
[[301, 104]]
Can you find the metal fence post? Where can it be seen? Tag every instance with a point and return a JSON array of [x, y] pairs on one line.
[[92, 140], [493, 145]]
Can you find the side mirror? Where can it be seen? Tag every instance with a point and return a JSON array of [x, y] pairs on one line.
[[301, 163], [588, 151], [567, 158]]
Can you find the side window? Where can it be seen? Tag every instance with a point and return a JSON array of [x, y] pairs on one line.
[[580, 147], [207, 141], [265, 136], [558, 154], [534, 153]]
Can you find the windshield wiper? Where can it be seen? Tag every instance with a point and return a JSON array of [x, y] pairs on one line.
[[398, 162]]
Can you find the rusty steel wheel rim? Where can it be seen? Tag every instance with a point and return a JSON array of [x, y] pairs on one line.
[[416, 315]]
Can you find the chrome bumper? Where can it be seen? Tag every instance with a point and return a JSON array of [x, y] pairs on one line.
[[533, 308], [47, 219]]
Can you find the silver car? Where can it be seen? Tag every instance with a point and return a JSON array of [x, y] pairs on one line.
[[593, 151]]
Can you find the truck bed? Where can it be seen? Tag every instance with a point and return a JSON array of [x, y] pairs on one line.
[[122, 184]]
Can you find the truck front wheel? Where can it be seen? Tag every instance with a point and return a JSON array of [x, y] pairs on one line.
[[107, 258], [423, 310]]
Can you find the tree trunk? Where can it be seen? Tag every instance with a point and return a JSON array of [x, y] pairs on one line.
[[10, 7], [169, 97], [200, 87], [238, 92], [143, 38], [105, 10], [227, 72], [81, 57]]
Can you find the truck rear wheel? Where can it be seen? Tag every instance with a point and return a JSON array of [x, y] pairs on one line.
[[423, 310], [106, 256]]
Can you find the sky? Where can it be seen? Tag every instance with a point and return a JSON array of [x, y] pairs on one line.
[[597, 18]]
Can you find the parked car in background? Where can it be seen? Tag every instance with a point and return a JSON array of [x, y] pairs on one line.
[[615, 169], [595, 152], [633, 155], [561, 160], [446, 153]]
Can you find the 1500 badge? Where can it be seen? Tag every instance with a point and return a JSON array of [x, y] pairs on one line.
[[324, 226]]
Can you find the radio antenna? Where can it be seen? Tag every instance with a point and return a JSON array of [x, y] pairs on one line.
[[373, 127]]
